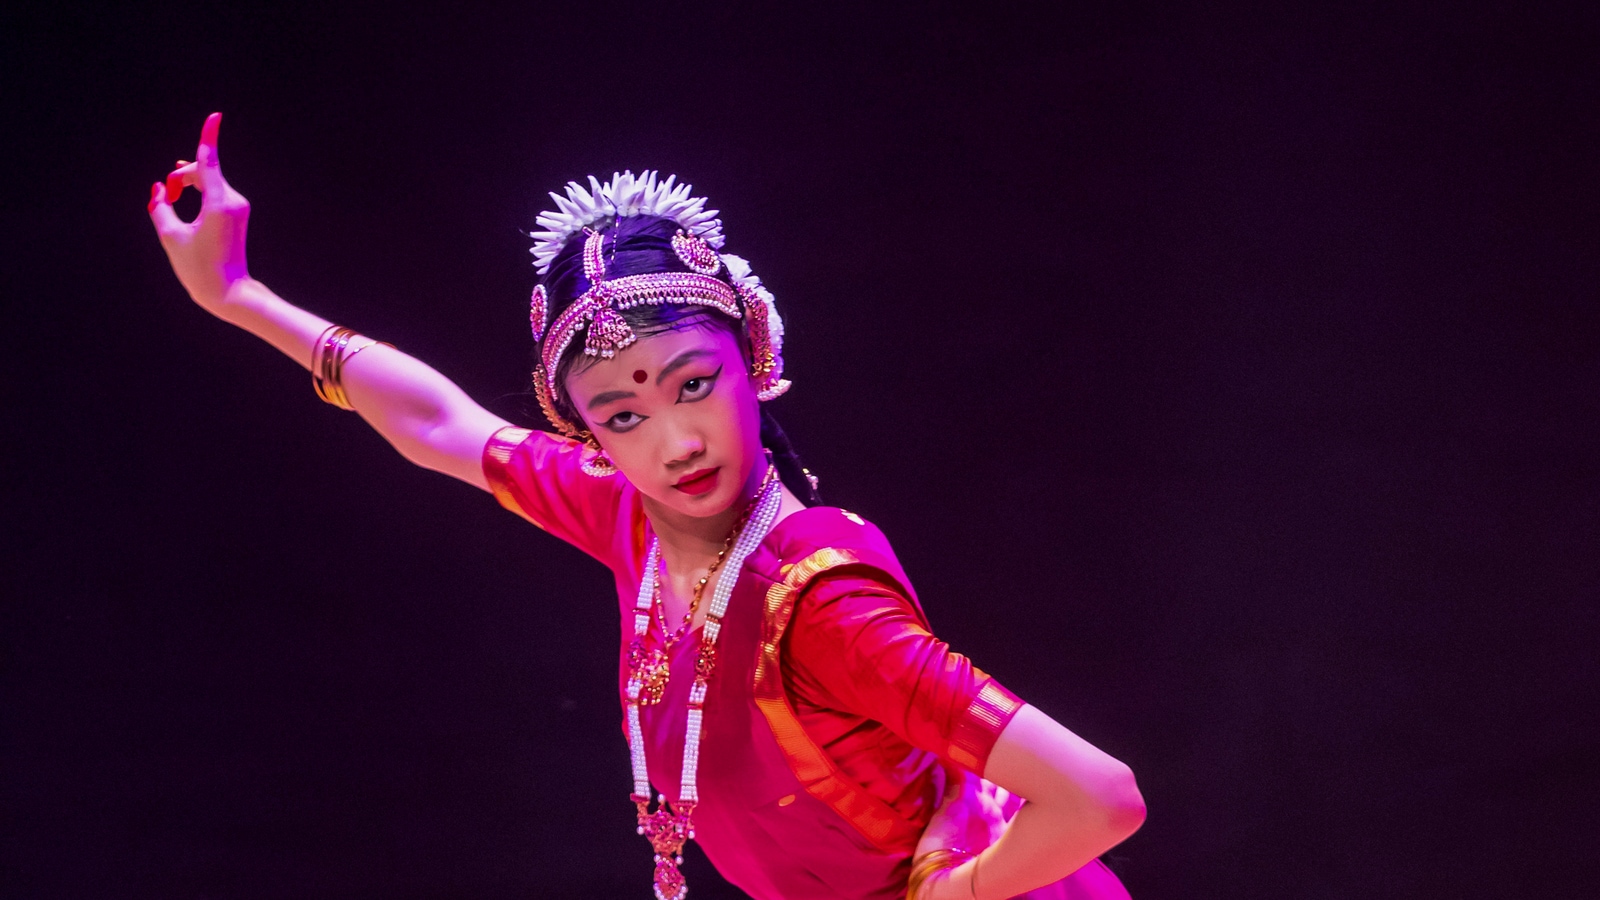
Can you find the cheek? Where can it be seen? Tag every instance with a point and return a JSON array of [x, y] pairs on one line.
[[744, 418], [720, 417], [729, 419]]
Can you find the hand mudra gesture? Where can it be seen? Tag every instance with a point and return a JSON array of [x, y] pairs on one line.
[[207, 254]]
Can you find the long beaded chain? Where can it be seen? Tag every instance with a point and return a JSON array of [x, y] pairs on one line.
[[670, 825]]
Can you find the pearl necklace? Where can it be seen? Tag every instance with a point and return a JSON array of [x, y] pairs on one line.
[[670, 826], [655, 670]]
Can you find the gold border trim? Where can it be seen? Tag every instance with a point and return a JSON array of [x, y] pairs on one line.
[[496, 456], [977, 729], [873, 818]]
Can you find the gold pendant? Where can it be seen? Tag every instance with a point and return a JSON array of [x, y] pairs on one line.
[[653, 673], [667, 830]]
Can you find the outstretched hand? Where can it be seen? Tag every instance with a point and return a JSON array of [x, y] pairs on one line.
[[207, 254]]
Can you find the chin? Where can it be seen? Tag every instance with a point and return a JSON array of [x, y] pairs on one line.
[[714, 503]]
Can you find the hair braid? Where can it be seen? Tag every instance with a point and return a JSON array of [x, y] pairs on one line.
[[790, 470]]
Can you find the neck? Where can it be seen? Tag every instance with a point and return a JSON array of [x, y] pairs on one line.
[[688, 540]]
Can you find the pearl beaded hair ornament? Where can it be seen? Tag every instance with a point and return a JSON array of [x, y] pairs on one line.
[[739, 294]]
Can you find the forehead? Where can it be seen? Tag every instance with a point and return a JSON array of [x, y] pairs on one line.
[[650, 353]]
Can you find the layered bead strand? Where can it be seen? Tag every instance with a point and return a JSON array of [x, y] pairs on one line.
[[641, 626], [670, 825]]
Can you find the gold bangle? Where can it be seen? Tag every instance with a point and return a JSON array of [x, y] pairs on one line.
[[316, 347], [327, 364], [316, 361], [333, 368], [330, 366], [932, 863], [344, 359], [328, 357], [352, 354]]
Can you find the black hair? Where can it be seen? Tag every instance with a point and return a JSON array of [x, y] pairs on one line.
[[642, 245]]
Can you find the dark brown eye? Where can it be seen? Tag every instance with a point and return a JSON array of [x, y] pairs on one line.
[[697, 388], [623, 421]]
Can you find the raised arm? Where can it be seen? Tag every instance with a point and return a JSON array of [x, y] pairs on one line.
[[424, 415]]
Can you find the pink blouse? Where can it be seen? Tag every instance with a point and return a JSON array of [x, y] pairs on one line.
[[869, 682], [867, 705]]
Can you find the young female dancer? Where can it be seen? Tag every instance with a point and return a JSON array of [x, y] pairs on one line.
[[785, 703]]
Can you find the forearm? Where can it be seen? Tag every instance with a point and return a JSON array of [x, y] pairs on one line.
[[1081, 803], [427, 418], [253, 306]]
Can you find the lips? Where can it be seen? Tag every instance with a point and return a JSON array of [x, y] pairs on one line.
[[700, 482]]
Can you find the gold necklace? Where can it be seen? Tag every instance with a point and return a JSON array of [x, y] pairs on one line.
[[699, 590], [655, 665]]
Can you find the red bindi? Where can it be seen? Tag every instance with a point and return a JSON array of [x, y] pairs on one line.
[[639, 376]]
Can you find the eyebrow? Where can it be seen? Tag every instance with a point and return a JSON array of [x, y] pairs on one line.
[[681, 360], [609, 397]]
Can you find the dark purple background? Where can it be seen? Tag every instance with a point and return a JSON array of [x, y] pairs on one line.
[[1226, 381]]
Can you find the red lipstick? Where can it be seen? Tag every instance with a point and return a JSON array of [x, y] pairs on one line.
[[699, 482]]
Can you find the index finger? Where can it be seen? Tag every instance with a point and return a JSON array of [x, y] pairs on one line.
[[181, 177], [161, 213]]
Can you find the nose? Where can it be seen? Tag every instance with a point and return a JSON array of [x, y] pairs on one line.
[[683, 448]]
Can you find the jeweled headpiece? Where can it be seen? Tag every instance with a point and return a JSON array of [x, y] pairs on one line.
[[737, 293]]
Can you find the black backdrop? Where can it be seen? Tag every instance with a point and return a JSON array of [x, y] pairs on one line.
[[1225, 379]]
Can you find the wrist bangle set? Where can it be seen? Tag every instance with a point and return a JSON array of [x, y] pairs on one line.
[[329, 354], [935, 861]]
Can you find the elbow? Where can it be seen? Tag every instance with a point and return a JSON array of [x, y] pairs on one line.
[[1122, 805], [422, 438]]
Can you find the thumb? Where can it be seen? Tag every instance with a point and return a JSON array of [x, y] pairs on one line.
[[212, 184]]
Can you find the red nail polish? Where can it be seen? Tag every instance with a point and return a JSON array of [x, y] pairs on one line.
[[151, 206]]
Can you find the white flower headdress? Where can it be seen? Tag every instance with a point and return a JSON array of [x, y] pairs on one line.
[[625, 195]]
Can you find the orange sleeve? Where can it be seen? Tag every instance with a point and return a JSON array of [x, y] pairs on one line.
[[538, 476], [859, 646]]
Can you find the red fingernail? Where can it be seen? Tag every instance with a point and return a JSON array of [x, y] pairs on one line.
[[175, 188], [154, 188]]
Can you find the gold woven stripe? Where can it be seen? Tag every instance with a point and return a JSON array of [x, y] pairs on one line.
[[874, 819], [984, 718], [501, 447]]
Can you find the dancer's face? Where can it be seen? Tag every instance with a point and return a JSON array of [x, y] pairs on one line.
[[677, 413]]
